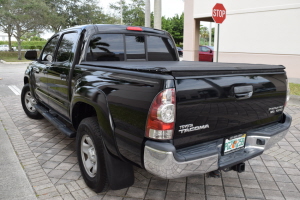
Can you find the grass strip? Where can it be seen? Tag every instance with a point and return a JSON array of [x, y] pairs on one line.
[[295, 89]]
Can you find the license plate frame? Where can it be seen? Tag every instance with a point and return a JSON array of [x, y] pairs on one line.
[[234, 143]]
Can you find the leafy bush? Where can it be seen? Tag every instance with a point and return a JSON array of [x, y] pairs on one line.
[[27, 44]]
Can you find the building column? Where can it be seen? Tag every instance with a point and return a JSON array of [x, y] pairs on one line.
[[191, 33], [157, 14], [216, 43], [147, 13]]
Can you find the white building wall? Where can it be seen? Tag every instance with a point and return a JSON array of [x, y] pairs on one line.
[[258, 31], [262, 32]]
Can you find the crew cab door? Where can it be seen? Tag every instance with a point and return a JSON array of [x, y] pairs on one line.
[[40, 70], [59, 74]]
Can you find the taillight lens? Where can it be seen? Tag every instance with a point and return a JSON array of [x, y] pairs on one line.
[[161, 116], [134, 28]]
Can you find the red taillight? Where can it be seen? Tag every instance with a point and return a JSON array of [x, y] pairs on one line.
[[161, 116], [132, 28]]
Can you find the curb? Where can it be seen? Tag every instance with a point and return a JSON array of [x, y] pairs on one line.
[[295, 97], [11, 63], [294, 100]]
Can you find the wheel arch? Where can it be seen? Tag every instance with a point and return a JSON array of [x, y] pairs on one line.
[[83, 107], [120, 172]]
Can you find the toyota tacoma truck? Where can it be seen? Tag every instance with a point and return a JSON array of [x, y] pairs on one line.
[[128, 100]]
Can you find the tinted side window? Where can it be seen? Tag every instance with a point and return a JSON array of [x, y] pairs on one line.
[[66, 47], [205, 49], [135, 47], [160, 49], [50, 48], [106, 47]]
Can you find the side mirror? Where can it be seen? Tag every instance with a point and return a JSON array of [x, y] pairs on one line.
[[31, 55], [210, 51], [48, 58]]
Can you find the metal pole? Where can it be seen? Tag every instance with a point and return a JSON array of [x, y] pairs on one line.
[[157, 14], [209, 43], [147, 13], [217, 56]]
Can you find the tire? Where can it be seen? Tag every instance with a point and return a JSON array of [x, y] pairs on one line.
[[27, 103], [90, 156]]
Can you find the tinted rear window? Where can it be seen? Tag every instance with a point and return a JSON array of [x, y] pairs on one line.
[[135, 47], [111, 47], [106, 47], [160, 49]]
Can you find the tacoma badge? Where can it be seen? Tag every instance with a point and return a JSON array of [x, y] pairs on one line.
[[191, 127]]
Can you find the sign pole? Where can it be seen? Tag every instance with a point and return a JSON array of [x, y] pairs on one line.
[[218, 15], [217, 56]]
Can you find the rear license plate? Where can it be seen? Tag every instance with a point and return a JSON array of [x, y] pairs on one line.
[[234, 143]]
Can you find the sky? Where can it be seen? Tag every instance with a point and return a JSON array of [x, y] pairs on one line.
[[169, 7]]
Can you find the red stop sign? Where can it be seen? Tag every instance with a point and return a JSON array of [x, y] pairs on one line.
[[219, 13]]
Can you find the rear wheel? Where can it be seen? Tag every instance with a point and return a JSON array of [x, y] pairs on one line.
[[90, 154], [28, 102]]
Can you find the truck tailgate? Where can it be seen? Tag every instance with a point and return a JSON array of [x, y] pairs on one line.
[[223, 102]]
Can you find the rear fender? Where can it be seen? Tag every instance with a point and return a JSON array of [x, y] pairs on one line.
[[120, 172], [96, 99]]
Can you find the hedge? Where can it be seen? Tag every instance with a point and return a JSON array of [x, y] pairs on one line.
[[27, 44]]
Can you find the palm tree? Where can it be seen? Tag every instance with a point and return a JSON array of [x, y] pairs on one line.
[[95, 43]]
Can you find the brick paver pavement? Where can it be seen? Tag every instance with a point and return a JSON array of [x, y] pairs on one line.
[[50, 163]]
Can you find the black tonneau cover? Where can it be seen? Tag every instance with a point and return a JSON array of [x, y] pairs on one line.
[[180, 66]]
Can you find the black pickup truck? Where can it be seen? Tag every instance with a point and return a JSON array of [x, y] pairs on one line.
[[128, 100]]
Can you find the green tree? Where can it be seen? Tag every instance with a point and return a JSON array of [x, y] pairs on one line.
[[68, 13], [24, 16], [174, 26], [213, 34], [204, 34], [5, 22], [133, 13]]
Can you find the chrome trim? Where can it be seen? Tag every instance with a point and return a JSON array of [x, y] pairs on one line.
[[270, 141], [251, 142], [276, 138], [164, 165]]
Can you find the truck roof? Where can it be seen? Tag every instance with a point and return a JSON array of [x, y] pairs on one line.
[[112, 28]]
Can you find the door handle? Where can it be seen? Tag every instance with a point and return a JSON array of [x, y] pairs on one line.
[[243, 92], [244, 95], [63, 76]]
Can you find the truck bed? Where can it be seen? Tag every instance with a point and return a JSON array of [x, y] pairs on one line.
[[207, 102]]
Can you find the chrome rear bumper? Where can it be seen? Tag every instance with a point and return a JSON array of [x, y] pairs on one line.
[[162, 159]]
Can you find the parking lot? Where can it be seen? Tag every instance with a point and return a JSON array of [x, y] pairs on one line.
[[47, 160]]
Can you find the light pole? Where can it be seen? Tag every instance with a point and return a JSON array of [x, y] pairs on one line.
[[157, 14], [147, 13]]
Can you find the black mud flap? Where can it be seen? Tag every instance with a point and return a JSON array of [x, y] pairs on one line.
[[119, 173]]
